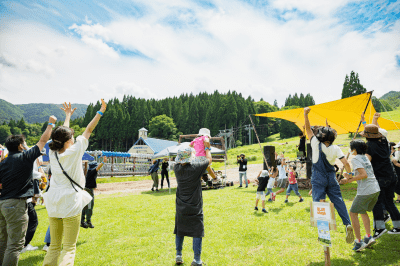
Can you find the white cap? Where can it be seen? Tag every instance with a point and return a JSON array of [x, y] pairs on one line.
[[383, 132], [205, 132], [397, 145]]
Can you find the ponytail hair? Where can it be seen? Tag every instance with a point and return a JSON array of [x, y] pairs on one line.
[[59, 136]]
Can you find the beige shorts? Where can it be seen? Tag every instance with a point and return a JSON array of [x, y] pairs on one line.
[[260, 195]]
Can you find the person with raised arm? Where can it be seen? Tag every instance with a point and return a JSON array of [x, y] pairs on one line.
[[378, 153], [17, 186], [323, 179], [66, 197]]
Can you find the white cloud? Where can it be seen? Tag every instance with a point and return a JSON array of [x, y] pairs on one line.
[[232, 47]]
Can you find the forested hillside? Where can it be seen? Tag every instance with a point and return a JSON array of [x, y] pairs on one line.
[[187, 114], [40, 112], [35, 112], [9, 111]]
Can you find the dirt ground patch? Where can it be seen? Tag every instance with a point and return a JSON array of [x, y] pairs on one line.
[[136, 187]]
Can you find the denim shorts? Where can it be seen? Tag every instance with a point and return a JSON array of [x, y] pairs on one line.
[[282, 182]]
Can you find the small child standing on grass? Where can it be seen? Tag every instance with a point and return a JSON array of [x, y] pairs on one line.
[[272, 175], [198, 145], [293, 184], [262, 181], [367, 193]]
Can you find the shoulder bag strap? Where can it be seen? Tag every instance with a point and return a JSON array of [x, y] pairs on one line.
[[69, 178]]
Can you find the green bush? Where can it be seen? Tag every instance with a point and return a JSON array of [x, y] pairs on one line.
[[252, 158]]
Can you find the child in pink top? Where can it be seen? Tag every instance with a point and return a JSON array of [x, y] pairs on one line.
[[198, 145], [292, 184]]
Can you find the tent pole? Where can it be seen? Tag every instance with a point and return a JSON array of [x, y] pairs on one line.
[[355, 135], [265, 159]]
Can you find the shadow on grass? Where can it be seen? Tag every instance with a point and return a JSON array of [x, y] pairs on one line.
[[33, 260], [38, 257], [259, 213], [341, 262], [163, 192], [275, 210]]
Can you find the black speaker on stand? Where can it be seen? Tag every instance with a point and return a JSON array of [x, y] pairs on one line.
[[269, 152], [309, 160]]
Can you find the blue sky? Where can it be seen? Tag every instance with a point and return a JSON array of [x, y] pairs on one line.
[[54, 51]]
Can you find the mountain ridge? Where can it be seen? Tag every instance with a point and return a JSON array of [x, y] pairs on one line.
[[36, 112]]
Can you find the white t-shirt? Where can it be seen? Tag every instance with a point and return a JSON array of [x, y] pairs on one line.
[[332, 152], [282, 171], [35, 172], [271, 182], [62, 200]]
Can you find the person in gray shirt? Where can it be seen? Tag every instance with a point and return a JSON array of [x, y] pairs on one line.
[[367, 193]]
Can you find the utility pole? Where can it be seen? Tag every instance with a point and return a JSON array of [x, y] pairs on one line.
[[227, 133], [249, 128]]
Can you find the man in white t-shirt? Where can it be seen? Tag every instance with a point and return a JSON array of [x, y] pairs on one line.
[[323, 178]]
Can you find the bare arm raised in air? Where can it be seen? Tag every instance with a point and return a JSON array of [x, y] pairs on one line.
[[46, 135], [92, 125], [310, 134], [68, 113], [101, 164]]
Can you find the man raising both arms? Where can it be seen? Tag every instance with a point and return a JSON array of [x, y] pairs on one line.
[[323, 178]]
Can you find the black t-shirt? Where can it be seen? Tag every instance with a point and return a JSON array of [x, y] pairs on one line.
[[164, 166], [91, 177], [262, 183], [302, 144], [16, 174], [242, 165], [379, 151]]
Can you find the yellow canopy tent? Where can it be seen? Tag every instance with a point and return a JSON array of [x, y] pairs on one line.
[[343, 115]]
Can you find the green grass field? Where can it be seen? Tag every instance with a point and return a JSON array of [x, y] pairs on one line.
[[138, 230]]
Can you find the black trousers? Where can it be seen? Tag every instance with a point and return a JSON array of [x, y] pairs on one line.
[[385, 201], [32, 223], [164, 174]]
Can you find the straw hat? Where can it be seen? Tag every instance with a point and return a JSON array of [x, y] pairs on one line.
[[371, 131]]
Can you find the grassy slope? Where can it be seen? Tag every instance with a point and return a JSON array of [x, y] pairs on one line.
[[138, 230]]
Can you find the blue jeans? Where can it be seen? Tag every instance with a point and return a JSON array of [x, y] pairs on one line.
[[197, 241], [326, 184], [47, 237], [293, 187], [245, 178], [269, 191]]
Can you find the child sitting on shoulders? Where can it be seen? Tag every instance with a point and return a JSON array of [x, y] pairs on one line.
[[292, 184], [198, 145], [367, 193], [272, 175], [262, 181]]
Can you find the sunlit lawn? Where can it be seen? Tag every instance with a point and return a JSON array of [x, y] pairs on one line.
[[138, 230]]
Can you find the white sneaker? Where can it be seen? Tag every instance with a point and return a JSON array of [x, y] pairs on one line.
[[45, 248], [29, 247]]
